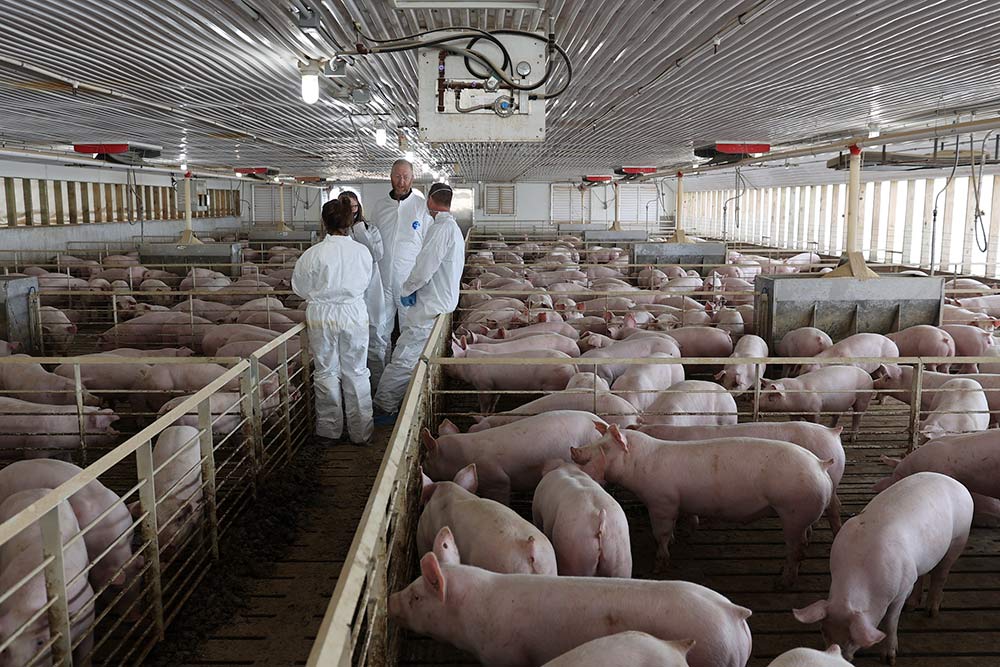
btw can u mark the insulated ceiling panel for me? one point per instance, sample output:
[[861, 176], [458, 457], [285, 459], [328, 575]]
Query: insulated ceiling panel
[[215, 81]]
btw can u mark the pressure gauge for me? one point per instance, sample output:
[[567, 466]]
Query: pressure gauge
[[523, 68]]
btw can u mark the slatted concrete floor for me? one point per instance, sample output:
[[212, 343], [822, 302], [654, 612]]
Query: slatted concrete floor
[[272, 610], [743, 562]]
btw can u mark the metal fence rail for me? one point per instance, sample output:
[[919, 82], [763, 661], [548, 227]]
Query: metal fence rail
[[208, 455]]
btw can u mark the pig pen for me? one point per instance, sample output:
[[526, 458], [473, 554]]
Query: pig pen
[[244, 426]]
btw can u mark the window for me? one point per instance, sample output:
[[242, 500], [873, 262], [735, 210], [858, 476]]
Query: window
[[569, 204], [498, 200]]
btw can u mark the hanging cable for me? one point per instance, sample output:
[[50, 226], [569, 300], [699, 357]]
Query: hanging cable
[[978, 226], [934, 213], [739, 193]]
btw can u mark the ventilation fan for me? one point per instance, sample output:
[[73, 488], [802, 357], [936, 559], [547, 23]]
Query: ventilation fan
[[131, 153]]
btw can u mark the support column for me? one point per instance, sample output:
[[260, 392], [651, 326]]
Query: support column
[[187, 236], [853, 262], [679, 235]]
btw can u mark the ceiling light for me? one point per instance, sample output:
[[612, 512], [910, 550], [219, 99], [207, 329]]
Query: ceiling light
[[184, 166], [873, 130], [409, 156], [381, 137], [310, 81]]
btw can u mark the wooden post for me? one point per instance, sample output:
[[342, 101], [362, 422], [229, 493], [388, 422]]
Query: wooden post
[[679, 235], [157, 205], [57, 187], [74, 215], [109, 207], [43, 201], [120, 212], [29, 205], [187, 236], [855, 265], [97, 202], [85, 202], [8, 189]]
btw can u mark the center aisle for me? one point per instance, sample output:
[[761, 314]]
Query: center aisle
[[263, 601]]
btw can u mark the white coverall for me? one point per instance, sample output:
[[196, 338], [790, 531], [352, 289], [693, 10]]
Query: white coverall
[[332, 277], [403, 225], [368, 235], [436, 279]]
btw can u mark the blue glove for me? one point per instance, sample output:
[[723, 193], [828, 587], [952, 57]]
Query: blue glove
[[409, 300]]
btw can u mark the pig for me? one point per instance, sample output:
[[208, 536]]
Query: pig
[[808, 657], [803, 342], [273, 320], [214, 312], [204, 284], [7, 349], [613, 409], [829, 389], [740, 377], [156, 329], [487, 534], [23, 554], [224, 333], [897, 381], [729, 319], [31, 382], [105, 378], [515, 620], [157, 286], [57, 331], [226, 411], [804, 259], [967, 287], [989, 304], [640, 384], [924, 340], [858, 345], [543, 341], [111, 533], [161, 352], [640, 348], [166, 277], [163, 382], [589, 381], [560, 328], [703, 342], [747, 313], [651, 278], [955, 315], [590, 323], [178, 486], [959, 406], [487, 377], [823, 442], [635, 649], [693, 403], [587, 527], [263, 304], [43, 430], [508, 457], [271, 359], [735, 479], [881, 557], [614, 304], [969, 342]]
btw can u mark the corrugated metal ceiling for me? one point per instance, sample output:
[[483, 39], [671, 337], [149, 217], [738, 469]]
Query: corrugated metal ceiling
[[218, 78]]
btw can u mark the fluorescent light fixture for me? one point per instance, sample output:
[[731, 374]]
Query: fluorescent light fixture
[[873, 130], [409, 156], [184, 166], [381, 137], [469, 4]]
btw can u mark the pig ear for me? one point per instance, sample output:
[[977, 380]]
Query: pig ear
[[447, 427], [879, 372], [863, 632], [630, 321], [833, 649], [891, 461], [813, 613], [430, 568], [543, 316], [445, 548], [16, 345], [502, 333], [429, 442], [719, 375], [619, 437], [608, 316], [468, 478], [601, 427], [579, 456], [427, 487]]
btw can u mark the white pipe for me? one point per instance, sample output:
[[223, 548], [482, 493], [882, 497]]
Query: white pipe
[[854, 200], [679, 205]]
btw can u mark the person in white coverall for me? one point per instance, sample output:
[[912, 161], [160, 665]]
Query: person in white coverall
[[402, 219], [332, 277], [431, 289], [368, 235]]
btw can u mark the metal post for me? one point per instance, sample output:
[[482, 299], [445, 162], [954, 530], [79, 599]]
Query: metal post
[[284, 394], [55, 587], [756, 392], [853, 199], [78, 389], [148, 530], [618, 207], [36, 312], [250, 425], [207, 447], [679, 205], [916, 399]]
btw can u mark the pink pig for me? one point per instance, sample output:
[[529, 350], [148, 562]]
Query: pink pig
[[897, 381], [830, 389], [808, 657], [588, 528], [693, 403], [522, 620], [969, 342], [488, 378], [543, 341], [803, 342], [924, 340], [882, 557], [640, 384], [703, 341], [632, 348], [860, 345], [508, 457], [959, 407], [736, 479], [740, 377], [614, 409], [489, 535], [635, 649]]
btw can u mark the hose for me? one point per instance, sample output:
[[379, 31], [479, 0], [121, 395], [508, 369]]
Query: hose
[[978, 226], [934, 214], [480, 34]]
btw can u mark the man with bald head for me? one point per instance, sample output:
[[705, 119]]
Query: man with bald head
[[402, 219]]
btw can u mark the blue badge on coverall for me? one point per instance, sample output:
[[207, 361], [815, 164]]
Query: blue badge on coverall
[[416, 225]]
